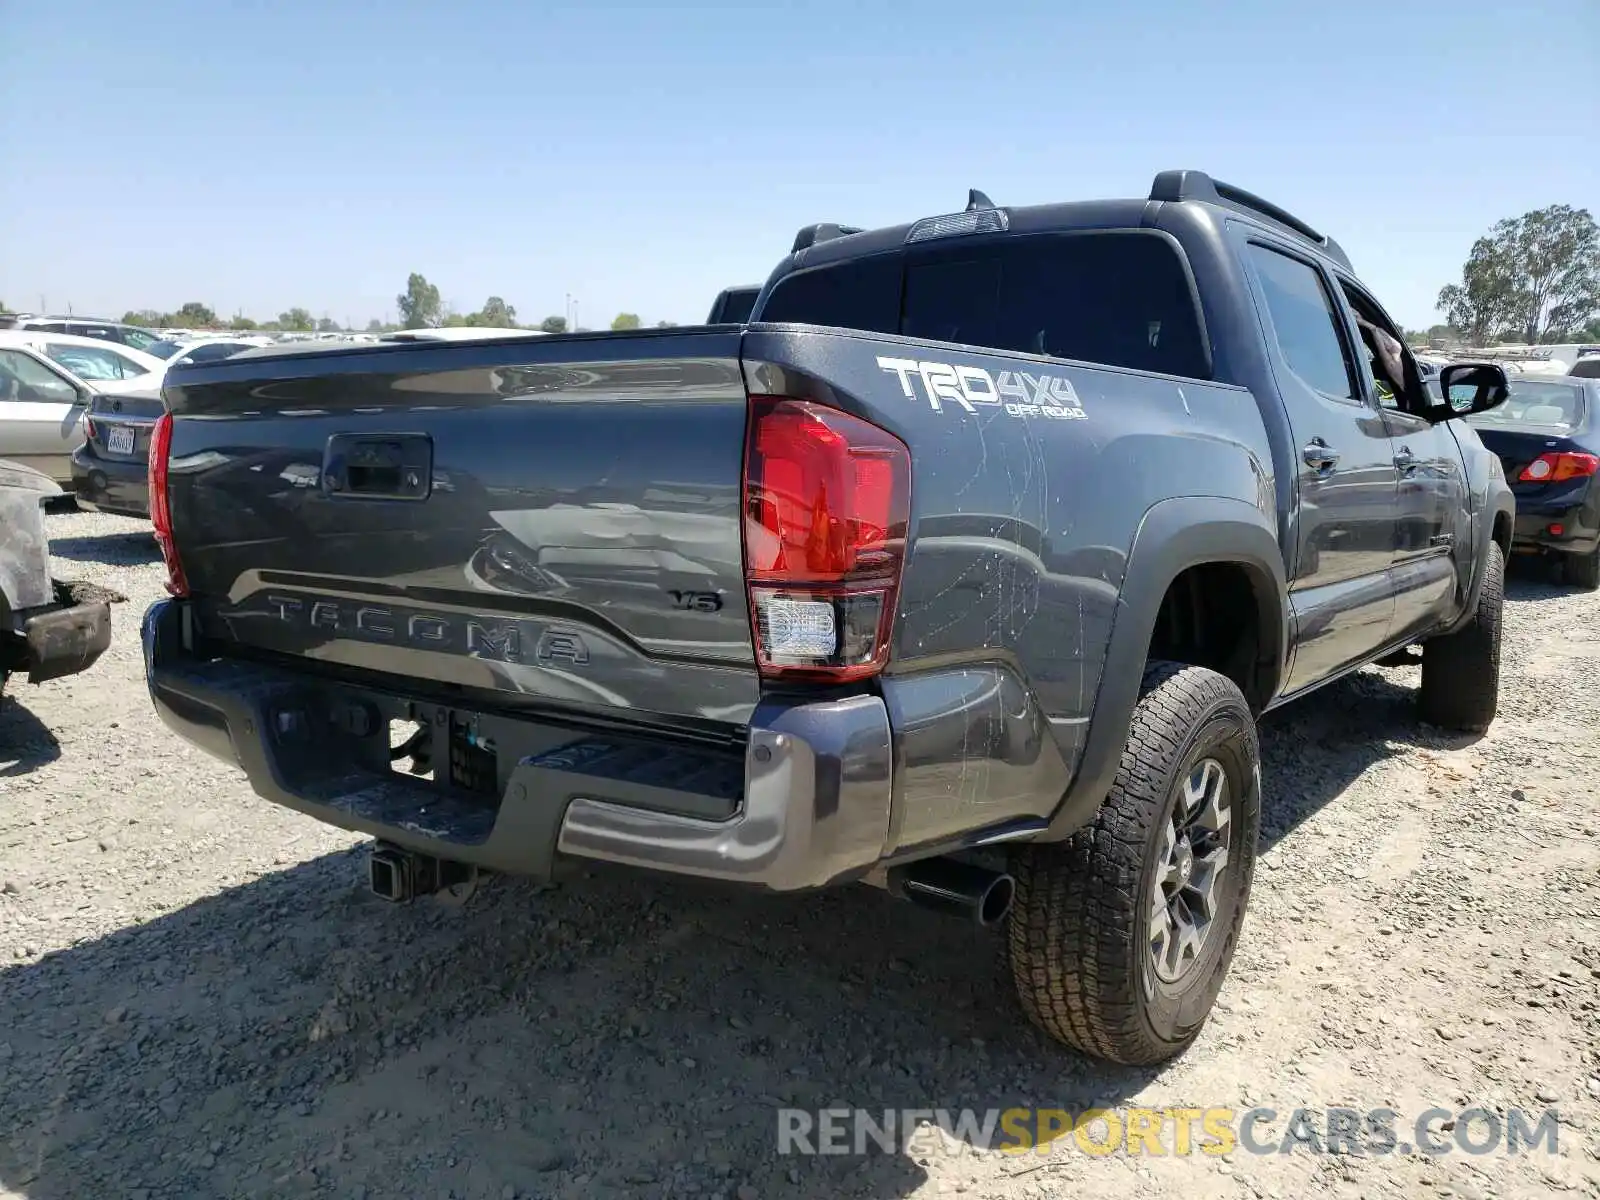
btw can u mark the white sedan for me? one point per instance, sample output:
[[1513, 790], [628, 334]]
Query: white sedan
[[46, 383], [204, 349]]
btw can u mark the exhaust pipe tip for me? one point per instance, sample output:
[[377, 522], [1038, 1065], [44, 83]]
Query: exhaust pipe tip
[[995, 905], [956, 889]]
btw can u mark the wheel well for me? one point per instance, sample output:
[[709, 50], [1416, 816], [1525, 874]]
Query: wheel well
[[1502, 533], [1212, 616]]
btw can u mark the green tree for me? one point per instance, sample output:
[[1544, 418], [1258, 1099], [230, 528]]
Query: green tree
[[374, 326], [1536, 276], [554, 324], [242, 323], [327, 325], [296, 320], [1484, 302], [497, 314], [419, 304], [666, 324], [626, 321], [194, 315]]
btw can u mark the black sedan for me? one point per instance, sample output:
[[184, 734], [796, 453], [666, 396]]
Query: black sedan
[[1547, 436], [109, 468]]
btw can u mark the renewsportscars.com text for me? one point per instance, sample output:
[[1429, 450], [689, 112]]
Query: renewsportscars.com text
[[1169, 1131]]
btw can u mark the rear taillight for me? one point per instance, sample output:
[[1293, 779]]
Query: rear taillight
[[88, 427], [160, 505], [827, 498], [1559, 467]]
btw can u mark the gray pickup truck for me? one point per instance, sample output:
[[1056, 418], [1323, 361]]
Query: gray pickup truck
[[964, 569]]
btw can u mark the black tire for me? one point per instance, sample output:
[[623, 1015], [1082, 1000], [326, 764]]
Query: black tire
[[1582, 570], [1461, 670], [1081, 931]]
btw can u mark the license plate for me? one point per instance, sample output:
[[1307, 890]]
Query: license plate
[[119, 440]]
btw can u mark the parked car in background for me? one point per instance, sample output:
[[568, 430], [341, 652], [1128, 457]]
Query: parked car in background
[[108, 331], [1547, 436], [732, 305], [89, 360], [41, 407], [109, 466], [178, 351], [46, 383], [47, 628]]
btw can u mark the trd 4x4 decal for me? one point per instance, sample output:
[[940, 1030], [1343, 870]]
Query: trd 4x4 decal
[[1022, 394]]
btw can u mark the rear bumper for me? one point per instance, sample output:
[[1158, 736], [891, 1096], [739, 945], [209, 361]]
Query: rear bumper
[[64, 639], [1580, 532], [803, 804], [110, 485]]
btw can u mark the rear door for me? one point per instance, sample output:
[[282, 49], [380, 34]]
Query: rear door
[[40, 411], [1340, 593]]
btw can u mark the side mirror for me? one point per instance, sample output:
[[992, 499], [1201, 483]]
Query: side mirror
[[1470, 388]]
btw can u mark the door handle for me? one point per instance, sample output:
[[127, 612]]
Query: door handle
[[1404, 459], [1320, 456]]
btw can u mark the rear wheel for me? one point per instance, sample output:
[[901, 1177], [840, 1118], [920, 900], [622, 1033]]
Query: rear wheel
[[1121, 936], [1583, 570], [1461, 670]]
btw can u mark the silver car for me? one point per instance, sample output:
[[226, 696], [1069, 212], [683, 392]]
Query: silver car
[[41, 412], [46, 383]]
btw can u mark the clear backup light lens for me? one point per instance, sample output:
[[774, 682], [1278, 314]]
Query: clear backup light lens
[[796, 631], [827, 502]]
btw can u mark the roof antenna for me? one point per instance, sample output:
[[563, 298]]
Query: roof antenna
[[977, 200]]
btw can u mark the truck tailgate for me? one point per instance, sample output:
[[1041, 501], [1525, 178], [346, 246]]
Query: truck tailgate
[[552, 520]]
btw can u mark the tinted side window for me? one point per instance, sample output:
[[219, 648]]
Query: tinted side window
[[212, 351], [1117, 298], [861, 294], [1121, 298], [137, 338], [1305, 323]]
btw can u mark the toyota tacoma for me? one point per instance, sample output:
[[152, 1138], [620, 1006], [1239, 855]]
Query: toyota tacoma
[[963, 569]]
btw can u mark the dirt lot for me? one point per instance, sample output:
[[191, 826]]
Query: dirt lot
[[197, 998]]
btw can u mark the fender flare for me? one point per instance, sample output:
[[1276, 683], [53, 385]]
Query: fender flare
[[1173, 536], [1501, 502]]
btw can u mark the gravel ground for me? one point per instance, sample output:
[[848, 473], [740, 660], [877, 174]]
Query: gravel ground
[[197, 998]]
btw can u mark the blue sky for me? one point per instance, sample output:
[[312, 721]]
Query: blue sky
[[256, 156]]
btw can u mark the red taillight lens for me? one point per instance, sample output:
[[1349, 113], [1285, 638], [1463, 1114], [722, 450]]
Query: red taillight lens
[[160, 506], [827, 498], [1559, 467], [88, 427]]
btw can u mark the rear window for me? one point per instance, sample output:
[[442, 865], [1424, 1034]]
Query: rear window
[[1121, 298], [1552, 406]]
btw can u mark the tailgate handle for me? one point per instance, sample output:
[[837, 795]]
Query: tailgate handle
[[384, 466]]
